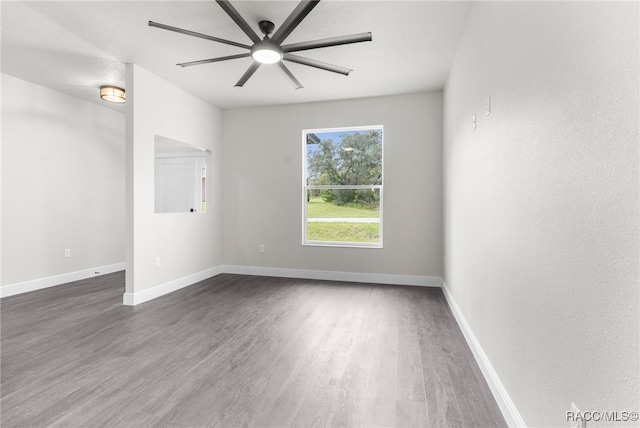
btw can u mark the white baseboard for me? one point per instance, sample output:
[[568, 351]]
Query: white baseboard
[[508, 409], [38, 284], [132, 299], [376, 278]]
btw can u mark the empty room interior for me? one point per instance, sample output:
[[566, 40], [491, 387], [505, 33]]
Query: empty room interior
[[328, 213]]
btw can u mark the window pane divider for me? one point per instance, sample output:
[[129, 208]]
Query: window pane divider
[[345, 187]]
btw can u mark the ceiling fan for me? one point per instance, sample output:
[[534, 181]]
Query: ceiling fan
[[270, 50]]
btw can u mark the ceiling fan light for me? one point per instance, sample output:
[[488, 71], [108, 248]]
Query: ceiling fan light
[[266, 52], [113, 94], [266, 55]]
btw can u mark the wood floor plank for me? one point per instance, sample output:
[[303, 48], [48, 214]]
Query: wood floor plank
[[441, 402], [235, 351], [410, 414], [317, 407], [410, 380], [381, 387], [350, 396]]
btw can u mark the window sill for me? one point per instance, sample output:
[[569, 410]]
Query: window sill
[[341, 244]]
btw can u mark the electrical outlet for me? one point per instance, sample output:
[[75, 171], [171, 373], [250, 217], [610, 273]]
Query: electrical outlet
[[261, 248], [67, 252], [577, 421], [157, 261]]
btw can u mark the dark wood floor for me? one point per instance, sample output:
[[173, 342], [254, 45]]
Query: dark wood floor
[[237, 351]]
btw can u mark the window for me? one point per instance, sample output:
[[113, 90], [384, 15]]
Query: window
[[342, 187]]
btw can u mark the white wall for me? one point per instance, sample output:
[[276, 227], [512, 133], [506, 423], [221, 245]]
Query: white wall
[[187, 243], [262, 157], [542, 201], [63, 186]]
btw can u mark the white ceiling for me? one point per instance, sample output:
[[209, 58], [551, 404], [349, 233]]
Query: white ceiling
[[76, 46]]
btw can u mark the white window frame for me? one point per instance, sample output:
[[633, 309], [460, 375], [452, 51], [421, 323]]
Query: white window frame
[[306, 188]]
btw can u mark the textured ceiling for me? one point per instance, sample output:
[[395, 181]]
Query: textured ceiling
[[77, 46]]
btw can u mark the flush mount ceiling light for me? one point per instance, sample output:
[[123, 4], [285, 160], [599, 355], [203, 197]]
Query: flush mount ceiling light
[[113, 94], [271, 50]]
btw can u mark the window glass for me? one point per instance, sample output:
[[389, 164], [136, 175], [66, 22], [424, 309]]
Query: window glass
[[343, 187]]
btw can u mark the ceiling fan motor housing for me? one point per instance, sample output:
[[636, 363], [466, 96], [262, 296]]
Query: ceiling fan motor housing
[[266, 27]]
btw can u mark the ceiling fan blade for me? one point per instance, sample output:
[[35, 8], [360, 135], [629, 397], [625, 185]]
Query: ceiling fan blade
[[247, 74], [239, 20], [292, 21], [200, 35], [291, 76], [317, 64], [324, 43], [208, 61]]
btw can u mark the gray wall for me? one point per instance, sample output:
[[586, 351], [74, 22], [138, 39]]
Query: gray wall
[[63, 164], [262, 170], [541, 201]]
